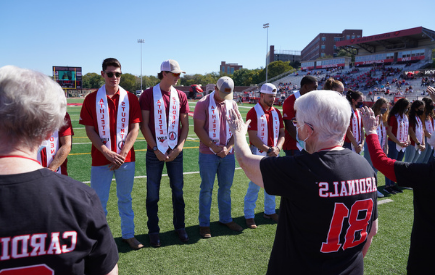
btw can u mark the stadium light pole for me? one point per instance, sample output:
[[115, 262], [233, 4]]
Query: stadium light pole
[[266, 26], [141, 41]]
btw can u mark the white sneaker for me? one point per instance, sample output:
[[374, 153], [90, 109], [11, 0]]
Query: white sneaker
[[380, 195]]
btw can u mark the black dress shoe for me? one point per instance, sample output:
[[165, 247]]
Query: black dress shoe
[[154, 239], [182, 234]]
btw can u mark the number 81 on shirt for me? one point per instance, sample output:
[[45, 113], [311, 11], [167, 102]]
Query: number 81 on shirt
[[341, 212]]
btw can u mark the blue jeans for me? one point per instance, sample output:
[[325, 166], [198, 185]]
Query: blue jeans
[[154, 175], [101, 178], [411, 155], [293, 153], [367, 157], [251, 199], [393, 154], [209, 166], [428, 153]]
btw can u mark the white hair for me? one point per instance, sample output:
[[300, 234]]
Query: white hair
[[328, 112], [32, 106]]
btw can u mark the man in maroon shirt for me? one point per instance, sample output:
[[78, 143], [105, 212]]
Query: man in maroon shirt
[[111, 117], [58, 162], [308, 84], [165, 127]]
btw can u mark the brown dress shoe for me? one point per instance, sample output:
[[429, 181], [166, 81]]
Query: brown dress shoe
[[251, 223], [204, 231], [274, 217], [233, 226], [133, 243], [154, 239]]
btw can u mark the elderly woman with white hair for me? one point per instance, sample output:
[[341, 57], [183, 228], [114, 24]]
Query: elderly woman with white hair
[[420, 177], [49, 222], [328, 213]]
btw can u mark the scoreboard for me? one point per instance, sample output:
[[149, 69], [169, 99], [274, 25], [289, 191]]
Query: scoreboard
[[68, 77]]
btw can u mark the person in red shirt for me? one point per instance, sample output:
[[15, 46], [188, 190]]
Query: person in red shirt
[[355, 135], [398, 138], [111, 117], [165, 127], [416, 132], [58, 163], [308, 84], [429, 127], [266, 137]]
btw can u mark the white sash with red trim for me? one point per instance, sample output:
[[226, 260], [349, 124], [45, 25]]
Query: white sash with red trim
[[297, 95], [402, 131], [429, 127], [103, 118], [166, 133], [263, 129], [356, 128], [51, 147], [419, 133], [382, 134], [214, 126]]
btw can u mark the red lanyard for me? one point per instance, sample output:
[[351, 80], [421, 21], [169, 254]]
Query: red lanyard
[[329, 148], [20, 157]]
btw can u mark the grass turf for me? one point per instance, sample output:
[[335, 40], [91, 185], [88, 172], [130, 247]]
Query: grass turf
[[226, 252]]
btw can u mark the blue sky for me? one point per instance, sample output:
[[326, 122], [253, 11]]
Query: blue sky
[[198, 34]]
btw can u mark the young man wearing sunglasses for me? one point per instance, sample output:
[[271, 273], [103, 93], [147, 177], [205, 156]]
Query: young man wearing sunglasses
[[165, 127], [111, 117]]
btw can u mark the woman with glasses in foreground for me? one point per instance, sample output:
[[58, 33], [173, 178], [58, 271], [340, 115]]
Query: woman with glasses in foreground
[[328, 212], [420, 177]]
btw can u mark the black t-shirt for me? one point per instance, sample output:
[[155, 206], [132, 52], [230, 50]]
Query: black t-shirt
[[328, 204], [52, 224], [421, 177]]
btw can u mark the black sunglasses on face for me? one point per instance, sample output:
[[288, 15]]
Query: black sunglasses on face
[[110, 74]]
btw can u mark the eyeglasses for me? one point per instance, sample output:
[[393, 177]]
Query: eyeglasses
[[295, 123], [110, 74]]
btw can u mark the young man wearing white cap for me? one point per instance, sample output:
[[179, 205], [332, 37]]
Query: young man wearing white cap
[[165, 127], [266, 137], [216, 156]]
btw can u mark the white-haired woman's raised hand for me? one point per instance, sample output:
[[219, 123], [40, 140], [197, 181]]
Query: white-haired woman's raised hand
[[236, 123], [370, 121], [431, 91]]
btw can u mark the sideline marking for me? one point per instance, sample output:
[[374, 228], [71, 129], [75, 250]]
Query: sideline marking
[[163, 175], [384, 201]]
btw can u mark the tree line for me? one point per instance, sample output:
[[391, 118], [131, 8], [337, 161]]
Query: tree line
[[242, 77]]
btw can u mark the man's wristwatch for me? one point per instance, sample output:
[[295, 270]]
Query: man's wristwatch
[[418, 143], [155, 148], [270, 150]]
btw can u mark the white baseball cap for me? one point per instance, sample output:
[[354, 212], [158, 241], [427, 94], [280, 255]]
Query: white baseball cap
[[268, 88], [172, 66]]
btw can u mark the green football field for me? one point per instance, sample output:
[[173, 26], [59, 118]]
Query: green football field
[[226, 252]]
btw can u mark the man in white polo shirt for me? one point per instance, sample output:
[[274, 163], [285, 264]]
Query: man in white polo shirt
[[216, 156], [266, 136]]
